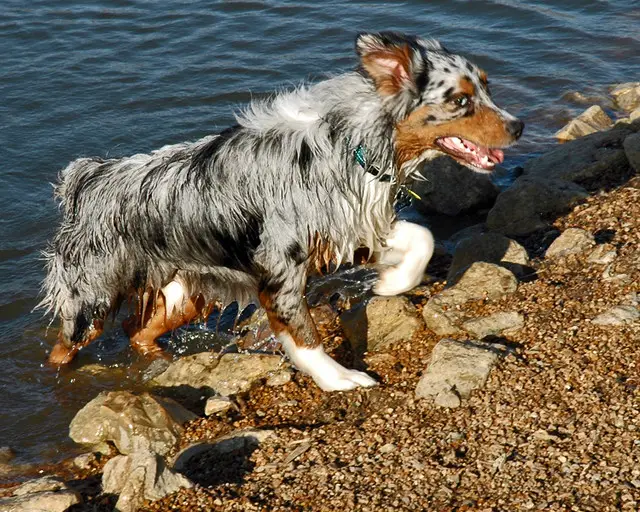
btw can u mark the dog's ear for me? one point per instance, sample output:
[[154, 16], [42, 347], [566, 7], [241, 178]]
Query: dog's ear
[[387, 59]]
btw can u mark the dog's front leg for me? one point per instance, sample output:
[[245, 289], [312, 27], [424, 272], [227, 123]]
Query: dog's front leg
[[410, 248], [283, 299]]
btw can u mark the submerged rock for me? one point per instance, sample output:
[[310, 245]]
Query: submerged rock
[[227, 375], [381, 322], [457, 368], [592, 120], [138, 477], [571, 241], [130, 422]]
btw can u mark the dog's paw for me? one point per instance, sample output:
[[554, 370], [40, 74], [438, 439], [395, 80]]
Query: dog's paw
[[344, 380], [393, 281]]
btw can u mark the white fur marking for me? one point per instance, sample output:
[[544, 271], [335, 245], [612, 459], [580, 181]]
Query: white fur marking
[[410, 249], [326, 373], [173, 297]]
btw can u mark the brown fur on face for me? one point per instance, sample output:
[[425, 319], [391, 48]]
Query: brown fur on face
[[484, 127]]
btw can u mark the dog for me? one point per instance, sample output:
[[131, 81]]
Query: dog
[[300, 182]]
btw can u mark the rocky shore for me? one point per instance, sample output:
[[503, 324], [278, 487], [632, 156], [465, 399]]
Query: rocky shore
[[509, 380]]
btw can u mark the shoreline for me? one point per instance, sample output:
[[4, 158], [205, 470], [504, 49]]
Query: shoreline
[[552, 421]]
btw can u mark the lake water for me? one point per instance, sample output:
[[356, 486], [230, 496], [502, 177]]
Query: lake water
[[112, 78]]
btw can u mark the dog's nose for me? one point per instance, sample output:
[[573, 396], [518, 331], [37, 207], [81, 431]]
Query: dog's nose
[[515, 128]]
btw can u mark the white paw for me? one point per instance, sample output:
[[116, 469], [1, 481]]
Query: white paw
[[326, 373], [394, 281], [344, 380]]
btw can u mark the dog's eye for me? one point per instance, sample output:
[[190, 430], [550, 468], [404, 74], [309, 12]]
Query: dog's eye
[[462, 101]]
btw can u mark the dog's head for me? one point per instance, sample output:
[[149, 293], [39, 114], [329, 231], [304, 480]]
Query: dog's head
[[440, 101]]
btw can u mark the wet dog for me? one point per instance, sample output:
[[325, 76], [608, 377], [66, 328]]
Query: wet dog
[[302, 181]]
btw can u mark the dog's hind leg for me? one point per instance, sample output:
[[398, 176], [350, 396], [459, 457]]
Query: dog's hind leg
[[283, 299], [170, 310], [410, 248]]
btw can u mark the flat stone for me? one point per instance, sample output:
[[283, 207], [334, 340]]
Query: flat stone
[[631, 146], [451, 188], [458, 366], [46, 483], [493, 325], [140, 476], [617, 316], [592, 120], [603, 254], [441, 316], [228, 375], [627, 95], [527, 205], [381, 322], [130, 422], [217, 404], [570, 241], [240, 440], [47, 501], [490, 248], [448, 398], [482, 280]]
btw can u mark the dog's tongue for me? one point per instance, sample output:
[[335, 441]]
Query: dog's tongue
[[479, 156]]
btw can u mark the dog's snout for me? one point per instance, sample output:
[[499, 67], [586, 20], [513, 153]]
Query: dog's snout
[[515, 128]]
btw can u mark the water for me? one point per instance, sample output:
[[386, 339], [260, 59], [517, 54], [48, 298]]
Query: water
[[113, 78]]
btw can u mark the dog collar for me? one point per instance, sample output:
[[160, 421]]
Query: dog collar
[[358, 154]]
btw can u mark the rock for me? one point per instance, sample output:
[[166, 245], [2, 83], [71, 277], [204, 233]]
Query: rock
[[47, 501], [441, 316], [457, 367], [217, 404], [238, 441], [85, 460], [617, 316], [603, 254], [493, 325], [46, 483], [448, 398], [228, 375], [6, 454], [592, 120], [584, 159], [470, 231], [631, 146], [635, 115], [627, 96], [381, 322], [480, 280], [130, 422], [584, 99], [451, 188], [529, 202], [571, 241], [139, 476], [490, 248]]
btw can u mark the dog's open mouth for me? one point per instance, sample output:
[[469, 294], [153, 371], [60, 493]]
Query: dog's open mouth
[[470, 154]]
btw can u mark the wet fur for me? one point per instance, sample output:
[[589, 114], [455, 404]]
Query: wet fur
[[246, 214]]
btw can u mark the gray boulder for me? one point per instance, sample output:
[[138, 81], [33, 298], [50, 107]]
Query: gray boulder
[[529, 202], [46, 501], [592, 120], [457, 368], [631, 146], [130, 422], [490, 248], [140, 476], [227, 375], [451, 188], [381, 322], [571, 241]]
